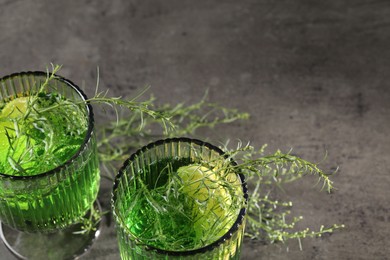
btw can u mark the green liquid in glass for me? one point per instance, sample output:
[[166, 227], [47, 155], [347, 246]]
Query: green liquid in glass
[[40, 142], [43, 140], [180, 205]]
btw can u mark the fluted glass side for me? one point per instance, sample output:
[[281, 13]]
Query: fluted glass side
[[143, 163], [56, 198], [229, 249]]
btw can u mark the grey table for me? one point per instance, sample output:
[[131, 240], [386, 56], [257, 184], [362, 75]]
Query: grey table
[[314, 75]]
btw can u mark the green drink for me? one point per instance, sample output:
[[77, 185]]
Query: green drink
[[179, 198], [53, 130], [49, 175]]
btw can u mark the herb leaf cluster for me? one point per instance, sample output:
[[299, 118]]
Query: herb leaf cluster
[[267, 217], [148, 121], [42, 128]]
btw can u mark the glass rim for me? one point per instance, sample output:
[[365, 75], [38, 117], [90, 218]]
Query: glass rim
[[240, 217], [86, 138]]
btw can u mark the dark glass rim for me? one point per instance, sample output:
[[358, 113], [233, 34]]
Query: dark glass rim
[[222, 239], [87, 136]]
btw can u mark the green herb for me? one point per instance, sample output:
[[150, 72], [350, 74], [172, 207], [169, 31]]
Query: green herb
[[148, 121], [120, 138], [38, 117], [42, 129], [90, 222], [181, 203], [267, 216]]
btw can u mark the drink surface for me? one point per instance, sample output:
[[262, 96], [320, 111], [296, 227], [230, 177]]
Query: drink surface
[[38, 134], [182, 205]]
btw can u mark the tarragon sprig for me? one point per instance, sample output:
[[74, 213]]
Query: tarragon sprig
[[145, 121], [118, 139], [267, 217]]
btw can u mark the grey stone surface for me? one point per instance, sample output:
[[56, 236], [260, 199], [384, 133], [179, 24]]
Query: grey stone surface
[[314, 75]]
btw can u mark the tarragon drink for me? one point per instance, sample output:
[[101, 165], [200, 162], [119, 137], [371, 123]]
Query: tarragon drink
[[179, 198], [49, 174]]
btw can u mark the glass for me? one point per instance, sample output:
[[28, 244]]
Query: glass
[[179, 198], [39, 207]]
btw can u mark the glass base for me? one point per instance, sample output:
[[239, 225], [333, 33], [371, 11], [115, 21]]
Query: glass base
[[68, 243]]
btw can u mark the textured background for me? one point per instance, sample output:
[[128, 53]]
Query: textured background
[[314, 75]]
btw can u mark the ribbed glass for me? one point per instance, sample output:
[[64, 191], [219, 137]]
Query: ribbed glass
[[143, 163], [57, 198]]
